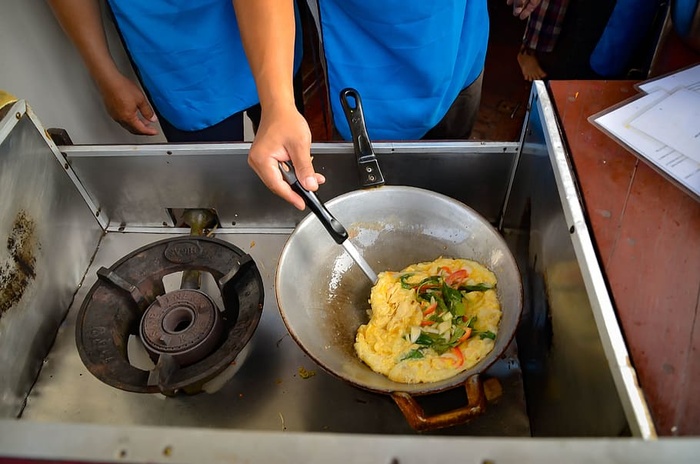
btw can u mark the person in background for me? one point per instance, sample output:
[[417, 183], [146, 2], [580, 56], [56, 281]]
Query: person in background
[[629, 25], [541, 34], [190, 61], [417, 66]]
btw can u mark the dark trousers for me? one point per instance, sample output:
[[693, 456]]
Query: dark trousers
[[231, 128], [459, 120]]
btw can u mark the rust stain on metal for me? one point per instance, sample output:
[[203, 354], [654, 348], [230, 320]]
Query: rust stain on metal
[[17, 272]]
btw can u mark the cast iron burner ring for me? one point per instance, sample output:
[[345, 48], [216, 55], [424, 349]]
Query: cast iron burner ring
[[190, 339], [184, 324]]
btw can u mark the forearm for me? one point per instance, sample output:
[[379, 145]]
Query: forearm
[[267, 31], [82, 22]]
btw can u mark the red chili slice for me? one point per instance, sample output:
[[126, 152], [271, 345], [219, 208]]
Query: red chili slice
[[456, 277], [467, 334], [426, 286], [430, 309], [460, 357]]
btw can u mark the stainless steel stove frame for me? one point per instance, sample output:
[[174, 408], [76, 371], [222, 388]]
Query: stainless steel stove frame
[[82, 207]]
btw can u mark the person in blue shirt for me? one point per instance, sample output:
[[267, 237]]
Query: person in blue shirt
[[188, 56], [417, 66]]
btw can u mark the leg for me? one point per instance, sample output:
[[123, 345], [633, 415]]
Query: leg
[[460, 118], [228, 130], [529, 65], [541, 34]]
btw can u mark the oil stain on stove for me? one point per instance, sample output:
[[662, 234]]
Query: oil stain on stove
[[17, 272]]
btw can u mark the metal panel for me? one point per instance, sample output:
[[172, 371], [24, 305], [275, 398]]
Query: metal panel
[[133, 186], [571, 317], [91, 443], [268, 393], [48, 237]]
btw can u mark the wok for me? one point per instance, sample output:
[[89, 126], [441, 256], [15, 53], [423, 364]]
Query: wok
[[323, 295]]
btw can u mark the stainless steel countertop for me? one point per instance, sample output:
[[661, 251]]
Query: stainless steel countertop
[[267, 393]]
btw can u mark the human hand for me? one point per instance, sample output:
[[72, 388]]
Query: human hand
[[284, 135], [127, 105], [523, 8]]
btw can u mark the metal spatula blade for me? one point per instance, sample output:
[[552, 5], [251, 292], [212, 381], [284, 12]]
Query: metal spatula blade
[[357, 257]]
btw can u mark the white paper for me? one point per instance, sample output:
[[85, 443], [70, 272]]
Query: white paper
[[683, 169], [674, 121], [686, 79]]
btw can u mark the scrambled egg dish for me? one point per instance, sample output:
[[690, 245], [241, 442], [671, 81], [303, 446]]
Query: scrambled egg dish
[[430, 321]]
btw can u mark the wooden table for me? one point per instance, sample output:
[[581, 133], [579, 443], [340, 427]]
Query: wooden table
[[647, 234]]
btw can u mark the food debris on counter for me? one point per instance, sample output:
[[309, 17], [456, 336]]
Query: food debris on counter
[[304, 374]]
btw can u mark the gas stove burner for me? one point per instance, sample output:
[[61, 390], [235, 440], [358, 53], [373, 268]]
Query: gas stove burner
[[184, 324], [188, 336]]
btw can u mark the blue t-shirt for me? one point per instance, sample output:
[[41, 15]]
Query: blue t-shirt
[[408, 59], [190, 58]]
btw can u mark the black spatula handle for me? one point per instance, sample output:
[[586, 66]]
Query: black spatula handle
[[331, 224]]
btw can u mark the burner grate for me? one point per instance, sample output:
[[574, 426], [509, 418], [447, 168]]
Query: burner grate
[[190, 339]]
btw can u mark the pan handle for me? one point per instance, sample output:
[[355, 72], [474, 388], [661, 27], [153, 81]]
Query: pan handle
[[478, 394], [370, 174]]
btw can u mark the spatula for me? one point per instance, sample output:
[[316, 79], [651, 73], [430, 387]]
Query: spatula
[[332, 225]]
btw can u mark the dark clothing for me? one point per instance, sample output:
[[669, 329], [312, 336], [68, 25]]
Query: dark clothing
[[459, 121], [231, 128], [584, 24], [460, 118], [228, 130]]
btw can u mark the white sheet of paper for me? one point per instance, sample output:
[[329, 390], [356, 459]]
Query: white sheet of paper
[[674, 121], [687, 78], [677, 166]]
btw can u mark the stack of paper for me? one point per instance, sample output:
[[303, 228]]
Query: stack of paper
[[662, 125]]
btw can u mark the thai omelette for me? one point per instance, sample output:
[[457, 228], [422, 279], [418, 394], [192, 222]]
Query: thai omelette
[[430, 321]]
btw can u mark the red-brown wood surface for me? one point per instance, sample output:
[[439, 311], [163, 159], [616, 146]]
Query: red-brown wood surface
[[647, 233], [611, 167]]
